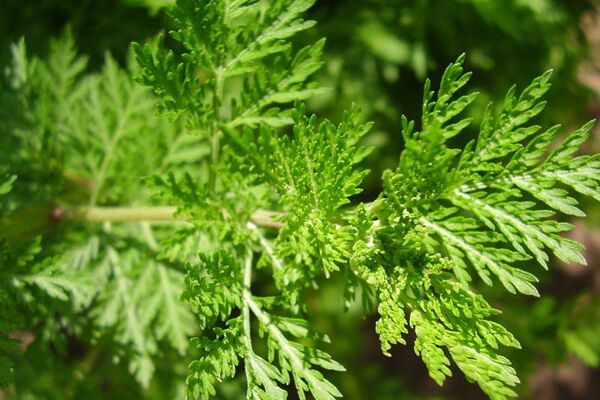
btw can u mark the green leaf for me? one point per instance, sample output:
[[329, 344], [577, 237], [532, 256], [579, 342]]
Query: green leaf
[[121, 311], [159, 289]]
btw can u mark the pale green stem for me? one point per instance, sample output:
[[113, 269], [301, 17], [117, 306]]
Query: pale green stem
[[247, 329], [268, 248], [155, 214], [286, 348], [34, 221]]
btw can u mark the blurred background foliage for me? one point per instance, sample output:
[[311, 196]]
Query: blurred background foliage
[[377, 55]]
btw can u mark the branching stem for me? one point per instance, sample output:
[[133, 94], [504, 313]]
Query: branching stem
[[34, 221], [287, 349], [267, 219], [247, 274]]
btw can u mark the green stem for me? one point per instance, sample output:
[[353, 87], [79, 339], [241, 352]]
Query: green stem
[[122, 214], [270, 251], [289, 352], [262, 218], [247, 275], [27, 222], [35, 220]]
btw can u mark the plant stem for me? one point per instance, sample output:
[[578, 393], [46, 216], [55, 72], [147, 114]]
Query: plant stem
[[122, 214], [247, 275], [27, 222], [34, 221], [289, 352], [275, 261], [262, 218]]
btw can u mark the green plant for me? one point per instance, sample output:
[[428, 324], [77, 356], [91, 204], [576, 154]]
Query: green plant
[[246, 204]]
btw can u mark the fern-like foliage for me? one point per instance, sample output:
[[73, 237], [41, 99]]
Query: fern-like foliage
[[89, 137], [443, 213], [249, 70], [488, 207], [23, 278], [263, 195]]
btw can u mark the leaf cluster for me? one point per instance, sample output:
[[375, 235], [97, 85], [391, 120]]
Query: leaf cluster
[[266, 210]]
